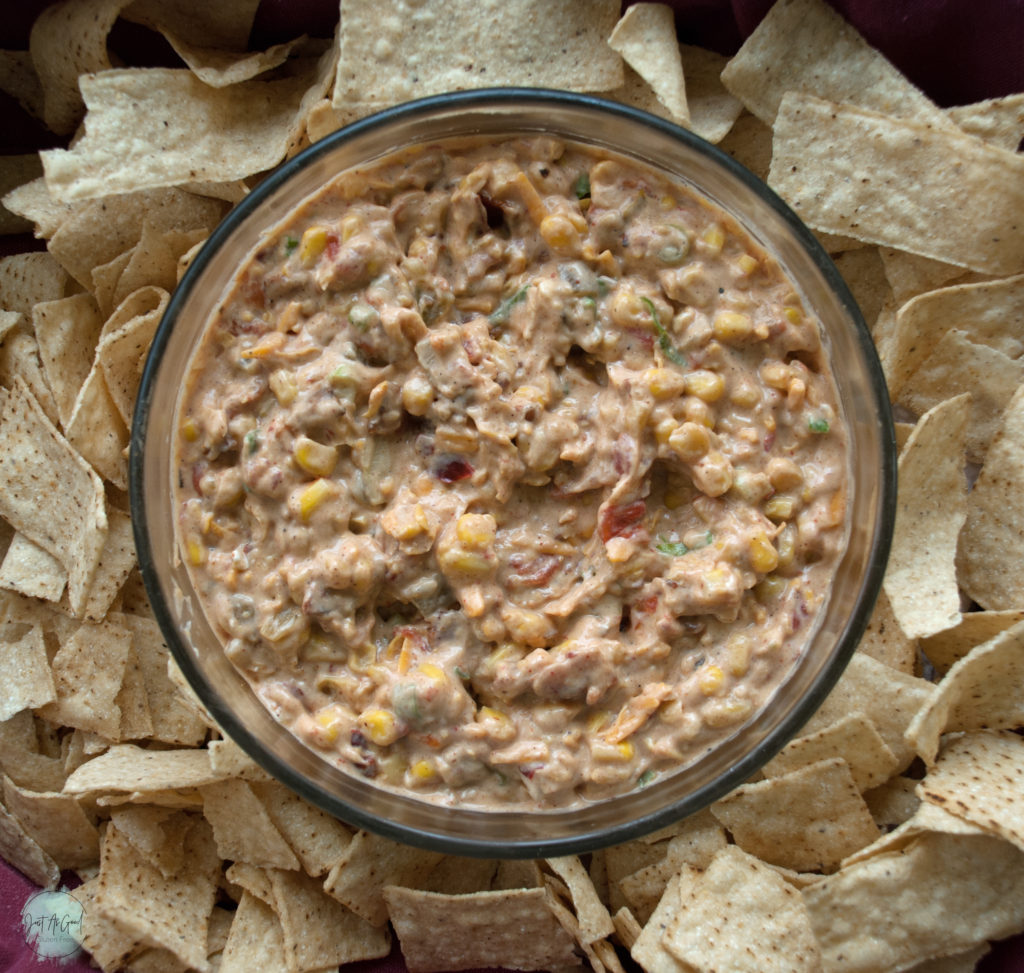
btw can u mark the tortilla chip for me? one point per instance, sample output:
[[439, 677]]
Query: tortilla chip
[[999, 121], [943, 894], [806, 46], [712, 109], [116, 562], [215, 134], [108, 943], [255, 940], [853, 738], [893, 802], [57, 823], [910, 275], [225, 24], [946, 648], [67, 331], [132, 701], [649, 948], [48, 492], [15, 171], [34, 203], [157, 834], [807, 820], [989, 313], [738, 901], [885, 696], [899, 183], [24, 672], [371, 862], [88, 671], [228, 759], [172, 913], [980, 777], [627, 928], [456, 875], [174, 721], [218, 68], [885, 641], [594, 919], [97, 231], [390, 54], [19, 359], [920, 579], [69, 40], [97, 431], [318, 930], [991, 546], [19, 79], [30, 570], [646, 39], [749, 142], [973, 695], [318, 839], [128, 768], [242, 828], [864, 273], [699, 840], [19, 849], [513, 929]]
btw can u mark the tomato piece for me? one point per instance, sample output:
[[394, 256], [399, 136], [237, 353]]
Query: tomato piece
[[622, 520]]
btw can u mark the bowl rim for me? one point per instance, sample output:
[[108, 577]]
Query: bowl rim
[[585, 841]]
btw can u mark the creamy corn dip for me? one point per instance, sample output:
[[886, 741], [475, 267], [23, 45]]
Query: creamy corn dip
[[511, 474]]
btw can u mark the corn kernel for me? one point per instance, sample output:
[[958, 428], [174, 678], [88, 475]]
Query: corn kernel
[[314, 242], [745, 394], [417, 395], [405, 524], [763, 556], [786, 545], [313, 496], [380, 727], [527, 627], [423, 770], [713, 239], [350, 226], [784, 473], [664, 429], [711, 680], [490, 713], [747, 264], [313, 457], [432, 672], [726, 712], [612, 752], [776, 375], [284, 386], [708, 386], [196, 552], [690, 441], [664, 383], [697, 410], [598, 720], [627, 310], [189, 430], [792, 315], [532, 394], [732, 326], [618, 550], [460, 561], [739, 650], [559, 233], [329, 722], [780, 508], [770, 587], [476, 530]]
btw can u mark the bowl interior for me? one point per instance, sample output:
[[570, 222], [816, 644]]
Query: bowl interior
[[862, 393]]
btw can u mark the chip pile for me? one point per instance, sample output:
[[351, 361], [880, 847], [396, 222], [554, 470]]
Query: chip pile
[[889, 834]]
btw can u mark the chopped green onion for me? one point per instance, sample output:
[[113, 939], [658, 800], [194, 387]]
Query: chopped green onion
[[582, 186], [252, 441], [461, 673], [664, 341], [646, 777], [818, 425], [671, 548], [290, 243], [406, 701], [363, 316], [500, 314]]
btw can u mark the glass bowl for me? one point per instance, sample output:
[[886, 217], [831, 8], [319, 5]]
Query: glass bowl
[[497, 832]]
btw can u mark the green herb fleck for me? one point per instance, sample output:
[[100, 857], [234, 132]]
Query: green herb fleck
[[664, 341], [582, 186], [646, 777], [461, 673], [290, 243], [671, 548], [252, 441], [818, 425], [500, 314]]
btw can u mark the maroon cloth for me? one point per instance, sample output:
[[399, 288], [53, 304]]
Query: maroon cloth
[[957, 51]]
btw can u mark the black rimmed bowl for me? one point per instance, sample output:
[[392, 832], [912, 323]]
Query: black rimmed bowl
[[862, 394]]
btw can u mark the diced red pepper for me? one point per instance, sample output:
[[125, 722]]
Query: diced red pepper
[[622, 520], [453, 470]]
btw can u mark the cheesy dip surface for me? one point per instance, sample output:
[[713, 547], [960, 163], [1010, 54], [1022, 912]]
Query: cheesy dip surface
[[511, 474]]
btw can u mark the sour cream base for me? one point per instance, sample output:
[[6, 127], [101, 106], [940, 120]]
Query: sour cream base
[[512, 474]]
